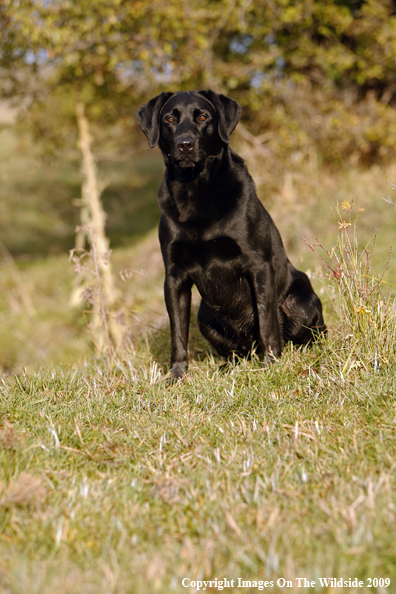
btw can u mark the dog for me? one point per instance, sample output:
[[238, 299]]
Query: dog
[[216, 234]]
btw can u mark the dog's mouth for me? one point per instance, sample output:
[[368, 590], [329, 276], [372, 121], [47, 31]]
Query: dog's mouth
[[186, 160]]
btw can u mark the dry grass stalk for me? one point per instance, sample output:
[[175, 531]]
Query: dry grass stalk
[[92, 230]]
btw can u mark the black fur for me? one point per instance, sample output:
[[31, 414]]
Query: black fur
[[216, 234]]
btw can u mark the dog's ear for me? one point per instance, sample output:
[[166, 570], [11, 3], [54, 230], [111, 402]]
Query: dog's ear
[[147, 117], [228, 111]]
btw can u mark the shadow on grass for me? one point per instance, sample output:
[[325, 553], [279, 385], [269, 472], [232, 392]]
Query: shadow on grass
[[159, 344]]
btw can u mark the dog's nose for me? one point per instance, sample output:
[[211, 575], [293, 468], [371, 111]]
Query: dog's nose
[[185, 145]]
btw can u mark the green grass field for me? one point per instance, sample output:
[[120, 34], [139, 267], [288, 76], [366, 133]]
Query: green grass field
[[111, 481]]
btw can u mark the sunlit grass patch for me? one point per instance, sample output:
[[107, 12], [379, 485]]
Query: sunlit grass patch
[[236, 472]]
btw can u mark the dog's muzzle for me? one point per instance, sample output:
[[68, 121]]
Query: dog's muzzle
[[185, 152]]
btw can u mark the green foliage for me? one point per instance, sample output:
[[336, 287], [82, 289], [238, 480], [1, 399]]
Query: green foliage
[[14, 48], [326, 77], [310, 75]]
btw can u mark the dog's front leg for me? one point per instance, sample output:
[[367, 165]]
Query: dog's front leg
[[264, 289], [178, 304]]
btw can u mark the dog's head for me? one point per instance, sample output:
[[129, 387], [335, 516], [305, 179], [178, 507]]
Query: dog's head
[[189, 126]]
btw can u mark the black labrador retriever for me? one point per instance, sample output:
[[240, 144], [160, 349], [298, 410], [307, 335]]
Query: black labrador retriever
[[216, 234]]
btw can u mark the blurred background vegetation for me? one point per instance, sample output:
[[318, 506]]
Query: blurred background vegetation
[[316, 80]]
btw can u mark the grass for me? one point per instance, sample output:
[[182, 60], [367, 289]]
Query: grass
[[38, 326], [113, 482]]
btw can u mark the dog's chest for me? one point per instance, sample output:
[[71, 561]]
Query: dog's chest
[[204, 255], [215, 267]]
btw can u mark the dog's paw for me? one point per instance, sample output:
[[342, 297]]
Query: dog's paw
[[269, 359], [177, 372], [267, 362]]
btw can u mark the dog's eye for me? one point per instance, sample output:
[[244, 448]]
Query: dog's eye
[[170, 119], [203, 117]]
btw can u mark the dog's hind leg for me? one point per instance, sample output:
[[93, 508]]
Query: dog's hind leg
[[221, 335], [301, 311]]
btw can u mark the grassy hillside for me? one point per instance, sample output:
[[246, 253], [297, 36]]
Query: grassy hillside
[[113, 482], [39, 211]]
